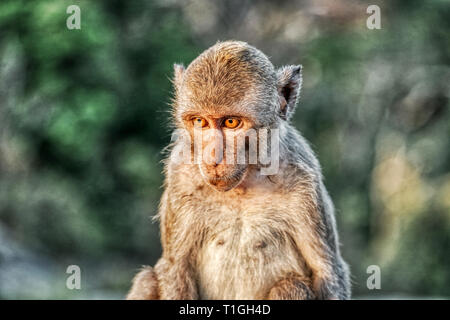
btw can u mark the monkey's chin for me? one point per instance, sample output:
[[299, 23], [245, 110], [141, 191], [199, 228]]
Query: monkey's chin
[[224, 184]]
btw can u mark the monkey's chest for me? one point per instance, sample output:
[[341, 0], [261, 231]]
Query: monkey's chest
[[243, 260]]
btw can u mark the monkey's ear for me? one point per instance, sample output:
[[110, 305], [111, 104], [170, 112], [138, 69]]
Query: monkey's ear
[[289, 83], [178, 72]]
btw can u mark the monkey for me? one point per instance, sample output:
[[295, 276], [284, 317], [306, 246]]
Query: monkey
[[229, 230]]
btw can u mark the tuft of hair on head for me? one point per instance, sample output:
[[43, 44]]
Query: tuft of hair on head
[[178, 74]]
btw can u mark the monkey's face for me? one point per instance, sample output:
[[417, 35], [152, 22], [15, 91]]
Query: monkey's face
[[219, 147], [226, 91]]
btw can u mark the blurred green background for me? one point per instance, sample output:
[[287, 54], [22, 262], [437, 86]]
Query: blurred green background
[[84, 117]]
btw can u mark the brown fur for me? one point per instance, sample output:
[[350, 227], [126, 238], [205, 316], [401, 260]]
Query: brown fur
[[227, 231], [146, 285]]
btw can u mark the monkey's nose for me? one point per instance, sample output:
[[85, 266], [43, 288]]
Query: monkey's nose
[[217, 158]]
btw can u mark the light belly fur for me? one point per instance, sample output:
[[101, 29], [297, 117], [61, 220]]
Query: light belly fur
[[245, 259]]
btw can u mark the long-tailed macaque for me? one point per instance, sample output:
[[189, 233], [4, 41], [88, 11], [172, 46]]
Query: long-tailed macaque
[[246, 214]]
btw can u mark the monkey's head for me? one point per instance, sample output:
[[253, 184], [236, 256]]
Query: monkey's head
[[225, 92]]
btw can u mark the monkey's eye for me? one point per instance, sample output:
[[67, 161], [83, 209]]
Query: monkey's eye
[[232, 123], [199, 122]]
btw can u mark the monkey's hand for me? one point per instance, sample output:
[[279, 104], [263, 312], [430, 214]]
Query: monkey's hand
[[292, 287], [145, 286]]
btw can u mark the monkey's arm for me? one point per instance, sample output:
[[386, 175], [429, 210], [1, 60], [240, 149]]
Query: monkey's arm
[[167, 281], [145, 286], [176, 280], [172, 277], [174, 269], [318, 243]]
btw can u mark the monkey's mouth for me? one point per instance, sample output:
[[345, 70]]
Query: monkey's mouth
[[228, 181]]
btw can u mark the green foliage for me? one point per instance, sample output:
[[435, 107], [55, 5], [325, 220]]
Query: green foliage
[[87, 117]]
